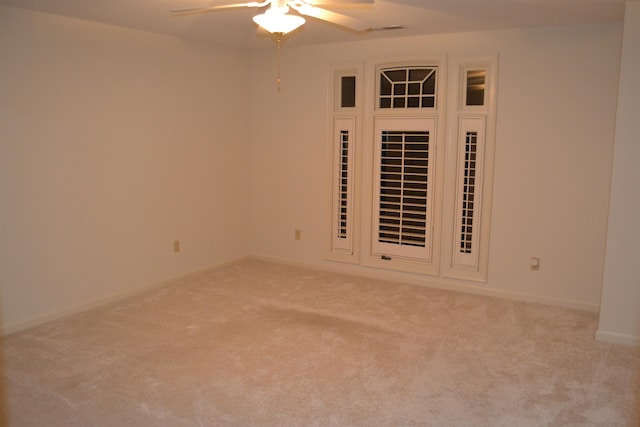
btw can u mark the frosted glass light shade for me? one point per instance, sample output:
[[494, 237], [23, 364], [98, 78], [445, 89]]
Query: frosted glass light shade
[[277, 22]]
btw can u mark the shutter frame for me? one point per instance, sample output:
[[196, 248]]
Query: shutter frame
[[395, 212]]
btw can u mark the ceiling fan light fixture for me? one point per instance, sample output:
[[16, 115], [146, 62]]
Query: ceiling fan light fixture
[[275, 21]]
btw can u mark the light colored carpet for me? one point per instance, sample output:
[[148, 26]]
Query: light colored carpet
[[260, 344]]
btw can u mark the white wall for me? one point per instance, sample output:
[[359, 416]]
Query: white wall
[[113, 143], [620, 310], [555, 126]]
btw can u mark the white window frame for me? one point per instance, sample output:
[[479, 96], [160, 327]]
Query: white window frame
[[472, 266], [388, 250], [344, 249], [468, 224], [343, 185], [372, 255], [446, 166]]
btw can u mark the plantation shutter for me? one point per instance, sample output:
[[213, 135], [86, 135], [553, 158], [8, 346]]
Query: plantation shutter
[[403, 198], [469, 192], [342, 217]]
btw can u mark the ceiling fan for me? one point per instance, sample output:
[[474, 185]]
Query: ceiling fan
[[277, 20]]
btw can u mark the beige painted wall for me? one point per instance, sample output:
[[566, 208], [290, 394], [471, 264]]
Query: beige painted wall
[[555, 128], [114, 143], [620, 310]]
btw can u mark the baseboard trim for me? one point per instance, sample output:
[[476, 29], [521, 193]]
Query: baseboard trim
[[429, 282], [20, 326], [349, 269], [616, 338]]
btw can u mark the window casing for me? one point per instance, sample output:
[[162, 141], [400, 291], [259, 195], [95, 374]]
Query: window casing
[[402, 167], [343, 243], [469, 170], [397, 202]]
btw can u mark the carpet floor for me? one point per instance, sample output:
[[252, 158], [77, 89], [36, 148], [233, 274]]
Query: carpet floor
[[261, 344]]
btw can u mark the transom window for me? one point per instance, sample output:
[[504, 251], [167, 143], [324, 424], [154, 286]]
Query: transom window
[[407, 87]]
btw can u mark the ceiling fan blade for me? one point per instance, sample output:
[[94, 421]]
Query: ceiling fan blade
[[338, 3], [329, 16], [192, 10]]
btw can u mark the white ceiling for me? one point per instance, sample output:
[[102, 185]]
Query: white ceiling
[[234, 27]]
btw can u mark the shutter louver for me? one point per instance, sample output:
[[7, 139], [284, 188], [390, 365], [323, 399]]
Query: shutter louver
[[342, 206], [404, 170], [343, 190], [468, 192], [403, 199]]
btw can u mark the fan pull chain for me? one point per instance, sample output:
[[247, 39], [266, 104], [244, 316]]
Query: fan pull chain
[[278, 80]]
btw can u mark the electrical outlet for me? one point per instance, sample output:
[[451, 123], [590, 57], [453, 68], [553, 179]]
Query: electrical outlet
[[298, 234], [534, 264], [176, 246]]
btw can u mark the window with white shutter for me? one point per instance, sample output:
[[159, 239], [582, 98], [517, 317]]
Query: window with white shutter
[[342, 243], [342, 223], [467, 219], [469, 192], [403, 198], [397, 201], [342, 209]]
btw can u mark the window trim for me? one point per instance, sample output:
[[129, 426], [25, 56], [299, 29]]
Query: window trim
[[350, 251], [471, 267], [451, 93], [371, 258]]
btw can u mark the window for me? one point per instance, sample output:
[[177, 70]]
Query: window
[[469, 195], [402, 190], [475, 84], [343, 244], [397, 202], [404, 168], [342, 186], [348, 92], [407, 87], [468, 191], [344, 179], [470, 170], [403, 196]]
